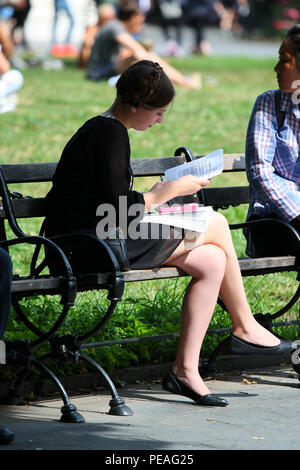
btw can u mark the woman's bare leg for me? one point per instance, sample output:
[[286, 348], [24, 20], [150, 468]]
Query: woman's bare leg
[[231, 287], [232, 290], [206, 264], [212, 262]]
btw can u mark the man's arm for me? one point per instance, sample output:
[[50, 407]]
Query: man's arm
[[140, 53]]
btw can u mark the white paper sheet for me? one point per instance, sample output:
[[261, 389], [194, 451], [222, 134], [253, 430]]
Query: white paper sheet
[[205, 167], [196, 221]]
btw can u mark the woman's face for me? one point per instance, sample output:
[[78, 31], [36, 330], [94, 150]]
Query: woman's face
[[142, 118], [286, 68]]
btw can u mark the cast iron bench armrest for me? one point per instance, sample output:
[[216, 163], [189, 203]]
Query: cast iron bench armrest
[[69, 293], [280, 222], [97, 240], [116, 280]]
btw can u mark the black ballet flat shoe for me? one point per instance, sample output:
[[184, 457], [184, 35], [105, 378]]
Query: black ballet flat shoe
[[173, 384], [6, 435], [237, 345]]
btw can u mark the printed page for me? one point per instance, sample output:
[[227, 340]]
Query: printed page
[[196, 221], [205, 167]]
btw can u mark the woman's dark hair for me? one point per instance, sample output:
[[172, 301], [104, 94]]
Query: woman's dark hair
[[145, 85], [293, 34]]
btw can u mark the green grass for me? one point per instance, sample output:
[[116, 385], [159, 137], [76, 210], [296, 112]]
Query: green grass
[[54, 104]]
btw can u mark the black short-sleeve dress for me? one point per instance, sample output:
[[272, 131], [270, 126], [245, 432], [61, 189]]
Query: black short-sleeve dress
[[94, 169]]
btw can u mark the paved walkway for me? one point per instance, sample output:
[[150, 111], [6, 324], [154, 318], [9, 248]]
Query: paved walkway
[[261, 415], [40, 20]]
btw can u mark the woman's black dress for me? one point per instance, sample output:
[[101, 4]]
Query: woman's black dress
[[95, 169]]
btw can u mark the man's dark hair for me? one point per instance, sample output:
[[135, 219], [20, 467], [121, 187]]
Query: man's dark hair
[[127, 9]]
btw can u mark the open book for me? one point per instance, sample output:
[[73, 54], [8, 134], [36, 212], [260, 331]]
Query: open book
[[204, 167], [190, 217]]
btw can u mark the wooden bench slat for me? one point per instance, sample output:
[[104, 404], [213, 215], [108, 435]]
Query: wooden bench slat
[[43, 172], [157, 166], [268, 265], [280, 263], [28, 172], [234, 162], [25, 208], [27, 284], [154, 166], [54, 284], [226, 196], [36, 207]]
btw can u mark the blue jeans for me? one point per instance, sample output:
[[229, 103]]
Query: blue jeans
[[62, 6]]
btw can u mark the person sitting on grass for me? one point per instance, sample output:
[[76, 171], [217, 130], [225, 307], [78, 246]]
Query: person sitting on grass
[[273, 158], [115, 48], [106, 12], [11, 80], [94, 170]]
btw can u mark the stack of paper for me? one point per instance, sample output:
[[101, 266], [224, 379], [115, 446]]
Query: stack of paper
[[195, 220]]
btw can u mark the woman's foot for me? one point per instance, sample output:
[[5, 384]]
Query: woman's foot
[[239, 346], [192, 380], [173, 384], [257, 334]]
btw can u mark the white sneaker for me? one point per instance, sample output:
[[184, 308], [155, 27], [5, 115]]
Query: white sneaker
[[113, 80], [9, 103]]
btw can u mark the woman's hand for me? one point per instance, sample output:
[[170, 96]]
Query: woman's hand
[[163, 191], [183, 186], [189, 184]]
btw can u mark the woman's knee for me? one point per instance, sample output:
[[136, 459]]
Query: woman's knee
[[213, 260], [218, 233], [204, 261], [218, 220]]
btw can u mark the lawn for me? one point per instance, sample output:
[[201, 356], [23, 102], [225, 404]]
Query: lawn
[[55, 103]]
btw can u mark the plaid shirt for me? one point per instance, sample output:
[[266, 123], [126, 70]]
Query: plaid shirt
[[273, 158]]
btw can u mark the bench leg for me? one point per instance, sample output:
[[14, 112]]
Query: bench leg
[[69, 411], [208, 367], [117, 404], [15, 395]]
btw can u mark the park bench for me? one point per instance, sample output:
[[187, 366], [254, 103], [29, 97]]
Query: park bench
[[15, 207]]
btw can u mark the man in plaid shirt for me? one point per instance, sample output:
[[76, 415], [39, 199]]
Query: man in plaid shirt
[[273, 157]]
